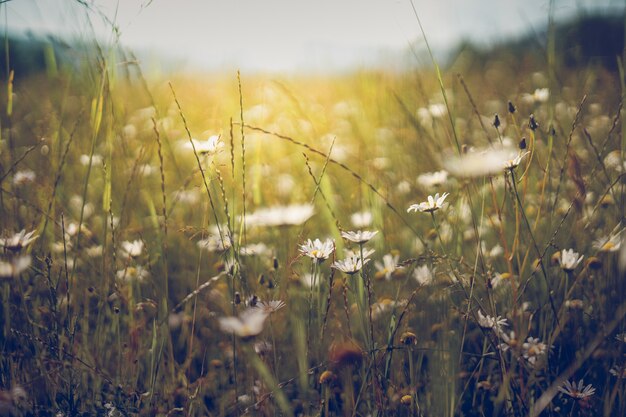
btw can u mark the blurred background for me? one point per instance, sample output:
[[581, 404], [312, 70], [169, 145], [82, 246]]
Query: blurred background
[[287, 35]]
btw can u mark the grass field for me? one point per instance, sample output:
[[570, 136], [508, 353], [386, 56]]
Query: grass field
[[160, 251]]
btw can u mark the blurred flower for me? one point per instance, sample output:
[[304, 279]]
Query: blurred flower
[[540, 95], [270, 306], [366, 253], [285, 184], [22, 177], [433, 179], [94, 251], [508, 341], [361, 219], [490, 161], [317, 250], [215, 243], [433, 204], [255, 249], [350, 265], [618, 372], [533, 349], [423, 275], [385, 305], [388, 266], [95, 159], [14, 266], [494, 323], [403, 187], [360, 237], [205, 147], [570, 259], [613, 160], [18, 241], [513, 162], [249, 323], [132, 249], [437, 110], [293, 215], [133, 273], [611, 243], [621, 337], [575, 391]]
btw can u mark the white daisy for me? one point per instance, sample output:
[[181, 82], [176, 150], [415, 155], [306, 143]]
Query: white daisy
[[570, 259], [18, 241], [433, 204], [249, 323], [423, 275], [350, 265], [388, 266], [577, 391], [360, 236], [317, 250]]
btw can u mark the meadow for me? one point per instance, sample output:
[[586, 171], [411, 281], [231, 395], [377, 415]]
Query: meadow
[[428, 242]]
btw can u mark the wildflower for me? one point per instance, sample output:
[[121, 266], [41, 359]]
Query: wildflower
[[490, 161], [95, 159], [533, 349], [512, 162], [249, 323], [255, 249], [385, 305], [360, 237], [618, 372], [317, 250], [293, 215], [94, 251], [262, 347], [361, 219], [611, 243], [437, 110], [423, 275], [540, 95], [18, 241], [133, 273], [508, 341], [577, 391], [388, 267], [14, 267], [406, 400], [132, 249], [433, 204], [350, 265], [494, 323], [211, 146], [270, 307], [22, 177], [366, 253], [570, 260], [215, 243], [433, 179]]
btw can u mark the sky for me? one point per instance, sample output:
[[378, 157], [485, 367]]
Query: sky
[[287, 35]]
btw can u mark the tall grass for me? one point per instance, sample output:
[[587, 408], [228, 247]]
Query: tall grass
[[169, 275]]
